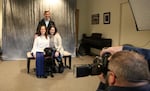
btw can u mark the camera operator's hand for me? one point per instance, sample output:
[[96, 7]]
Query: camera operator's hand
[[111, 50], [102, 79]]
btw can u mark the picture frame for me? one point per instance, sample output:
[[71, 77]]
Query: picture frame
[[95, 18], [106, 18]]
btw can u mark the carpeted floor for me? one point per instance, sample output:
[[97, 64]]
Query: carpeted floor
[[14, 77]]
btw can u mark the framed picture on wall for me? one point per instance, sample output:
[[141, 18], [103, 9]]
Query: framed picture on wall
[[106, 18], [95, 19]]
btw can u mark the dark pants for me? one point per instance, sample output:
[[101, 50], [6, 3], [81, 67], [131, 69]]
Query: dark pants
[[59, 58], [39, 64], [59, 61]]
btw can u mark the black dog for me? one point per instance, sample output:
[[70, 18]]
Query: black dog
[[49, 63]]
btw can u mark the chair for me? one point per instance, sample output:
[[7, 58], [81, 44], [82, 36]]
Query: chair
[[66, 56]]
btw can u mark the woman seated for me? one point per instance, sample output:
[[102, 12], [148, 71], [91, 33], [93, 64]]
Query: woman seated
[[40, 43], [56, 44]]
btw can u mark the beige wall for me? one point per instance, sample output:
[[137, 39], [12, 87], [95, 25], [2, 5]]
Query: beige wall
[[128, 30], [122, 29], [82, 5], [108, 30]]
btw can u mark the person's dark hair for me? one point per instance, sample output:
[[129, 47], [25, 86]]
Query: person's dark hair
[[39, 31], [50, 29]]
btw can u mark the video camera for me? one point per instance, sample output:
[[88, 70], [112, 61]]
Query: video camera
[[99, 65]]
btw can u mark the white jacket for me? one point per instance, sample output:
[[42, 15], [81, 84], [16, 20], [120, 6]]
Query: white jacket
[[58, 43], [40, 43]]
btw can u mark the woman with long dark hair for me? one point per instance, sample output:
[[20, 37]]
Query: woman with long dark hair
[[56, 43], [40, 43]]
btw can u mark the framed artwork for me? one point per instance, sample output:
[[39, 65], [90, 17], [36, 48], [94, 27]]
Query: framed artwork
[[95, 19], [106, 18]]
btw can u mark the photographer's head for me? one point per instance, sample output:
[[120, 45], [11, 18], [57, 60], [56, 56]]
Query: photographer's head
[[127, 68]]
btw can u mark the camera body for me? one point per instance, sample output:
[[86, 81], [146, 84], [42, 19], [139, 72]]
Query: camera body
[[99, 65]]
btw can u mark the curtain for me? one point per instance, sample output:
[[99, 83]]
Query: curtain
[[21, 17]]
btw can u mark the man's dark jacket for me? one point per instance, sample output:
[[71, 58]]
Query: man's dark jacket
[[42, 22]]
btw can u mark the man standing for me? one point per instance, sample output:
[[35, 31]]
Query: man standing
[[45, 21]]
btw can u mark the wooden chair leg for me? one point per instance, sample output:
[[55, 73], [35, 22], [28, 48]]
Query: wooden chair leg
[[28, 65], [65, 61], [69, 62]]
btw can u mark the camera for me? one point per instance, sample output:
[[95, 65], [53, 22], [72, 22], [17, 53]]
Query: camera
[[99, 65]]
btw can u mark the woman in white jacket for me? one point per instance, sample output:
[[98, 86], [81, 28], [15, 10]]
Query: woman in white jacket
[[40, 43], [56, 43]]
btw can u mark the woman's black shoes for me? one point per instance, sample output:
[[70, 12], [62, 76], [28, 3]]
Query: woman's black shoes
[[52, 75]]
